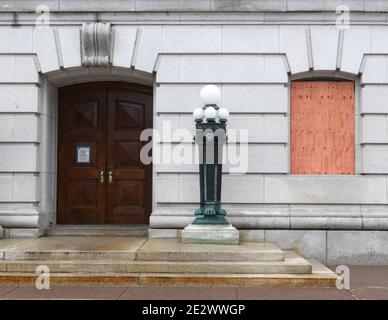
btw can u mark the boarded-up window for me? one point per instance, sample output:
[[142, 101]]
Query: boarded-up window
[[322, 127]]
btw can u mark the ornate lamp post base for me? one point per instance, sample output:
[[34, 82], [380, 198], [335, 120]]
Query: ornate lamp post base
[[210, 227], [210, 214], [210, 234]]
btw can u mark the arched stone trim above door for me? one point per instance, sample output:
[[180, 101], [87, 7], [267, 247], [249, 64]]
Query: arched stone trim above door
[[63, 47], [47, 153]]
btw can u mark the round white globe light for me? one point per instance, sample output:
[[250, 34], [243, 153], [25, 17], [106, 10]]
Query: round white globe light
[[223, 114], [210, 113], [210, 94], [198, 113]]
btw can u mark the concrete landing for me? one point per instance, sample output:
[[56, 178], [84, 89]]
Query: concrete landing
[[157, 261], [70, 248]]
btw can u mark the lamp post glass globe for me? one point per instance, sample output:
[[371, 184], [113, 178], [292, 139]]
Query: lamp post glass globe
[[198, 114], [210, 95], [210, 113], [223, 114]]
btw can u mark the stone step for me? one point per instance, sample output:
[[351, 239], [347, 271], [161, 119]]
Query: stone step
[[293, 265], [72, 248], [135, 248], [174, 250], [321, 276], [64, 255], [214, 267], [98, 231]]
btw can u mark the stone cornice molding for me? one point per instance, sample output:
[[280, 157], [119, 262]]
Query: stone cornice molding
[[195, 5], [18, 19]]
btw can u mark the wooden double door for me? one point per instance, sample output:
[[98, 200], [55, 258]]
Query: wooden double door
[[101, 177]]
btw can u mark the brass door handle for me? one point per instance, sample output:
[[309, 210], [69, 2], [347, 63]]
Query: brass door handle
[[110, 174], [102, 174]]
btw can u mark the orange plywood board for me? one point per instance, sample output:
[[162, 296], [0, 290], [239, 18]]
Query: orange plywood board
[[322, 128]]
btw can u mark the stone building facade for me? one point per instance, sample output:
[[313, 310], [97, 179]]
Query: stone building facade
[[252, 50]]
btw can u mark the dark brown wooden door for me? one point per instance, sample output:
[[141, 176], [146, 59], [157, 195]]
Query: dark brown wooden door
[[101, 178], [128, 191]]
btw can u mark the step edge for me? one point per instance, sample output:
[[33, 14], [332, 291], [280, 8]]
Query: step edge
[[135, 262], [261, 280]]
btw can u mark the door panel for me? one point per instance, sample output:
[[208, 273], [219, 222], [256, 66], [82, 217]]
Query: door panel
[[129, 193], [82, 123], [129, 115], [83, 115], [107, 119]]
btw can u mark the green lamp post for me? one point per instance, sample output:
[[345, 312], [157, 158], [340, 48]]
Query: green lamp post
[[210, 123]]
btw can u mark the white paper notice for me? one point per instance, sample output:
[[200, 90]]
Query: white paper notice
[[83, 154]]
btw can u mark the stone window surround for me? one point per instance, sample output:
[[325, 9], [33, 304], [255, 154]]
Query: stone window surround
[[51, 82], [357, 124]]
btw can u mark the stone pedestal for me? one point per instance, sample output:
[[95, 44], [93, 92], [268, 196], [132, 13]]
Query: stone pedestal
[[210, 233]]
